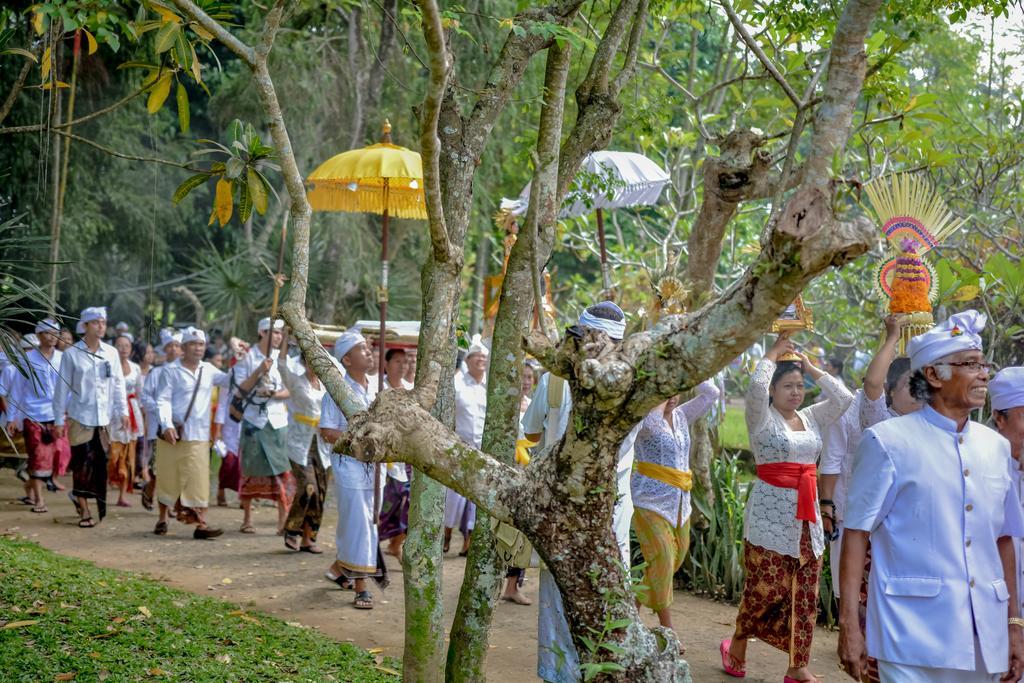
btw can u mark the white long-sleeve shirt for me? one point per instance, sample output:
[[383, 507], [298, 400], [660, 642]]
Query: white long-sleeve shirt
[[32, 397], [262, 410], [770, 517], [177, 384], [660, 444], [470, 409], [91, 387], [349, 472]]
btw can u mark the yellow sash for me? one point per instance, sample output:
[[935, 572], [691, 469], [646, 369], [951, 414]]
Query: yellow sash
[[668, 475], [306, 420]]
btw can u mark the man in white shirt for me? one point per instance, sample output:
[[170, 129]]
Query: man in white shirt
[[170, 345], [358, 485], [843, 436], [933, 490], [183, 401], [266, 469], [1007, 393], [90, 394], [30, 410], [470, 412], [545, 421]]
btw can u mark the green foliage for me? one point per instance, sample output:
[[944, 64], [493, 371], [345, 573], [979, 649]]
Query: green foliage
[[93, 623], [714, 566], [22, 301], [239, 173]]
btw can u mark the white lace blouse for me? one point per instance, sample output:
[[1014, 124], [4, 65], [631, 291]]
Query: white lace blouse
[[661, 444], [770, 521]]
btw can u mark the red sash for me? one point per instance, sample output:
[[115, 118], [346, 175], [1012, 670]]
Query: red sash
[[794, 475], [133, 421]]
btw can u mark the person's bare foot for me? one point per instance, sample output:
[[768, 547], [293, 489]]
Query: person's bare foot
[[802, 674], [517, 598]]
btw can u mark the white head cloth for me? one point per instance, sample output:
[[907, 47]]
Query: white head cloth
[[346, 342], [192, 334], [168, 336], [122, 326], [127, 335], [961, 332], [265, 324], [1007, 388], [616, 329], [47, 325], [92, 313], [478, 345], [29, 341]]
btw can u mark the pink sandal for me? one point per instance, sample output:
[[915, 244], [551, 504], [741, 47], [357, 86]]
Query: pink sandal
[[723, 648]]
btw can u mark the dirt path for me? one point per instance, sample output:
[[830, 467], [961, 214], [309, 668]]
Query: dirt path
[[257, 571]]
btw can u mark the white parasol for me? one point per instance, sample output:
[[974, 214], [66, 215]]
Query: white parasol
[[606, 180]]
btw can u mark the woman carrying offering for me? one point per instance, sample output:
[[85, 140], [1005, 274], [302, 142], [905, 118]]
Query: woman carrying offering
[[782, 529], [661, 486]]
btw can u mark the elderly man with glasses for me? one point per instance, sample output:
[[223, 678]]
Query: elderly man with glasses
[[933, 491]]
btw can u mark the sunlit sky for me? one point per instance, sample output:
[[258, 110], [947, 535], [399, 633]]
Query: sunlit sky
[[1009, 38]]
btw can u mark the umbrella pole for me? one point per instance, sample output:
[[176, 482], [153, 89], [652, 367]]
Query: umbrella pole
[[606, 275], [382, 296]]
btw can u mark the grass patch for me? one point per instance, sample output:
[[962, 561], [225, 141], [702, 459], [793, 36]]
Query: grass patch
[[732, 432], [66, 619]]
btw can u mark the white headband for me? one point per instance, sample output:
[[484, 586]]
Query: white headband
[[616, 329]]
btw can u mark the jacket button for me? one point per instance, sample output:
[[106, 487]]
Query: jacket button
[[972, 583], [967, 472], [961, 439], [968, 544], [969, 507]]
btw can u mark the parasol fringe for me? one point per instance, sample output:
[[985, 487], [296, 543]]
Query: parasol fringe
[[402, 203]]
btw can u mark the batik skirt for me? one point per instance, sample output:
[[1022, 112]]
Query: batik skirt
[[780, 599], [121, 465], [664, 547], [394, 510], [307, 508]]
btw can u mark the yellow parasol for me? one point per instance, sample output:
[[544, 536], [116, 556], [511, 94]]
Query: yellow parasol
[[384, 179]]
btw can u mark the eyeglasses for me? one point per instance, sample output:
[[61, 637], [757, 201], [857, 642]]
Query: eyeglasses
[[974, 366]]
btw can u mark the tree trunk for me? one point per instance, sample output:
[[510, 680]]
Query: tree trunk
[[484, 573]]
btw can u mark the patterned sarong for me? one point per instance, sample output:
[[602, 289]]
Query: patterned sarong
[[780, 599], [307, 509], [664, 547]]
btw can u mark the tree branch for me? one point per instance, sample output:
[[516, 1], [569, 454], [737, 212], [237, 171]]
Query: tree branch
[[244, 52], [398, 428], [35, 128], [769, 65], [508, 71], [430, 144], [19, 83], [128, 157]]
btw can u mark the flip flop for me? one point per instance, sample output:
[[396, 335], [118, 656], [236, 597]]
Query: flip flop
[[291, 541], [147, 500], [723, 648], [343, 583], [311, 548], [248, 529], [74, 501], [123, 504], [160, 529], [25, 500], [86, 523], [40, 509], [364, 600]]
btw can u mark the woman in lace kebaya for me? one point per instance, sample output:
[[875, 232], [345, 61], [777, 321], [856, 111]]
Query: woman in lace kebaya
[[661, 486], [782, 530]]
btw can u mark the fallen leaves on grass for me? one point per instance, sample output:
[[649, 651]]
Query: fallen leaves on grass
[[245, 617], [387, 670], [19, 624], [145, 611], [69, 676]]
